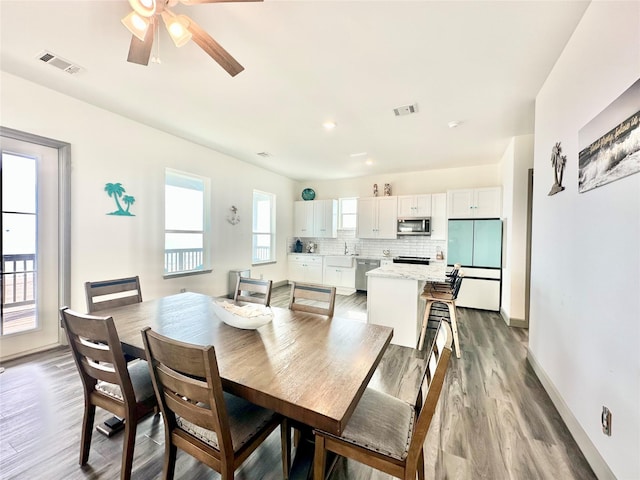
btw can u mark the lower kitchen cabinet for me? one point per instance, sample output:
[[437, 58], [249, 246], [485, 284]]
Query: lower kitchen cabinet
[[343, 278], [305, 268]]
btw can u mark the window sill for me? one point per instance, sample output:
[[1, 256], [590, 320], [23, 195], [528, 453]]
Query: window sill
[[271, 262], [168, 276]]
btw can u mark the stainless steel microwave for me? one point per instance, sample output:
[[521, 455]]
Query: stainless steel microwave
[[414, 226]]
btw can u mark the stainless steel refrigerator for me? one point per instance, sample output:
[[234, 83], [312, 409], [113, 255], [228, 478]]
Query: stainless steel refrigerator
[[477, 246]]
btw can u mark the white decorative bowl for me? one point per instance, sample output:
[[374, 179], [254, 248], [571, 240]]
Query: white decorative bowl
[[247, 317]]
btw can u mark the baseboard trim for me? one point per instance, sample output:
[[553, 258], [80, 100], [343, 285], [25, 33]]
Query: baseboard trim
[[513, 322], [589, 450]]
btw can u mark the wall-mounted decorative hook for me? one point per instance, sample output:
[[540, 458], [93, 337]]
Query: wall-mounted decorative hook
[[233, 218]]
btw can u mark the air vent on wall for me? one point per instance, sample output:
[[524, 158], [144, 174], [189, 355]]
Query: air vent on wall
[[406, 110], [59, 62]]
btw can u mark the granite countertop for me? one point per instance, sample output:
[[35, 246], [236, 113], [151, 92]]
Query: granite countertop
[[433, 273]]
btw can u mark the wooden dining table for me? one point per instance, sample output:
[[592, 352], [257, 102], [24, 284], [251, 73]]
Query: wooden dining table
[[308, 367]]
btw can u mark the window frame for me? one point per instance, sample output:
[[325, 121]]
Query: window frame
[[341, 214], [254, 232], [178, 177]]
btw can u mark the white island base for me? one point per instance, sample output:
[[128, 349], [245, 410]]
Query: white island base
[[393, 299]]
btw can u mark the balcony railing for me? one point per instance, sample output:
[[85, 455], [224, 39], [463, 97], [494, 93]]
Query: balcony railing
[[18, 280], [261, 254], [183, 260]]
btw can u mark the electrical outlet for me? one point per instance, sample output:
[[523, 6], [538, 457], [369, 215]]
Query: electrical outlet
[[261, 276], [182, 290], [606, 421]]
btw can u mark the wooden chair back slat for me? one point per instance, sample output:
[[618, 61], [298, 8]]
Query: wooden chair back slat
[[95, 291], [98, 352], [313, 293], [100, 372], [245, 285], [192, 389]]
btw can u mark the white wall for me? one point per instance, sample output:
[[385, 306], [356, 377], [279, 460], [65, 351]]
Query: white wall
[[516, 162], [108, 148], [585, 287], [426, 181]]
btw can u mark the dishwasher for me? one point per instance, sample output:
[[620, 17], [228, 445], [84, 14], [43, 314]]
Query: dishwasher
[[362, 267]]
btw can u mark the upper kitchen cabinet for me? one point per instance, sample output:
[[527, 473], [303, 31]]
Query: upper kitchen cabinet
[[475, 203], [317, 218], [414, 206], [439, 216], [303, 219], [377, 217], [325, 218]]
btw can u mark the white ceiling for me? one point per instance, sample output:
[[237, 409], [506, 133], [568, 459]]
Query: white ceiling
[[306, 62]]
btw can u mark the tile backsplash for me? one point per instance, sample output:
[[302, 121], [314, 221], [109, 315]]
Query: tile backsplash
[[415, 246]]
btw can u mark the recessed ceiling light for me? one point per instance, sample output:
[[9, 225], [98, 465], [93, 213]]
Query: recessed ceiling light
[[369, 162], [453, 123], [330, 125]]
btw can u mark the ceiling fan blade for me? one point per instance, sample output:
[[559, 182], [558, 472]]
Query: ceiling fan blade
[[139, 50], [214, 49], [195, 2]]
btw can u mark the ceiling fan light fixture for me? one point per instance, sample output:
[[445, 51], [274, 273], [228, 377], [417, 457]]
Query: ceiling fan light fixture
[[146, 8], [136, 24], [177, 26]]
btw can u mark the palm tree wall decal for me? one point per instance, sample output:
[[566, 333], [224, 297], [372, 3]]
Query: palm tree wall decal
[[116, 190], [558, 162]]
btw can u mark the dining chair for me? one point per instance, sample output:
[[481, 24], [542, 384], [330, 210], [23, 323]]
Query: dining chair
[[307, 297], [108, 381], [107, 294], [387, 433], [216, 427], [448, 297], [253, 290]]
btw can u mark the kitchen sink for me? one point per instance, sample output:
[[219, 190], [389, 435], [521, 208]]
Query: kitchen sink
[[345, 261]]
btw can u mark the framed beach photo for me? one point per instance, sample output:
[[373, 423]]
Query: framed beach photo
[[610, 143]]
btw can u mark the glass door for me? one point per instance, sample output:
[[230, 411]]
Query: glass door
[[29, 314]]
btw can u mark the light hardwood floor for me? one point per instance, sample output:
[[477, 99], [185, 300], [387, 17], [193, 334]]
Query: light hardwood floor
[[494, 420]]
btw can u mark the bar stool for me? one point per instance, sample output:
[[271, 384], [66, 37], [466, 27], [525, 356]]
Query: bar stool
[[438, 293]]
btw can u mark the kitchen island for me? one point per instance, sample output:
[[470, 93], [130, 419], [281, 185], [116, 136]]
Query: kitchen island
[[393, 298]]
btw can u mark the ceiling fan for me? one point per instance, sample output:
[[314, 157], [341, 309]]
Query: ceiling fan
[[142, 21]]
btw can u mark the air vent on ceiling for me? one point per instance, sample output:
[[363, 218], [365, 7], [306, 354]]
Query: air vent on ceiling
[[263, 154], [59, 62], [406, 110]]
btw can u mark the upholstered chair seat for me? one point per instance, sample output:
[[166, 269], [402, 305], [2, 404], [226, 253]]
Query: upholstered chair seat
[[140, 379], [245, 421], [381, 423]]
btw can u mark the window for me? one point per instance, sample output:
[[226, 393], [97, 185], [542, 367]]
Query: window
[[186, 232], [264, 227], [348, 208]]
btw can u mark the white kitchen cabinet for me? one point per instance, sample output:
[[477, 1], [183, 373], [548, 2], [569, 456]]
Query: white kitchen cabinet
[[325, 218], [480, 288], [317, 218], [303, 219], [475, 203], [343, 278], [305, 268], [414, 206], [439, 216], [377, 217]]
